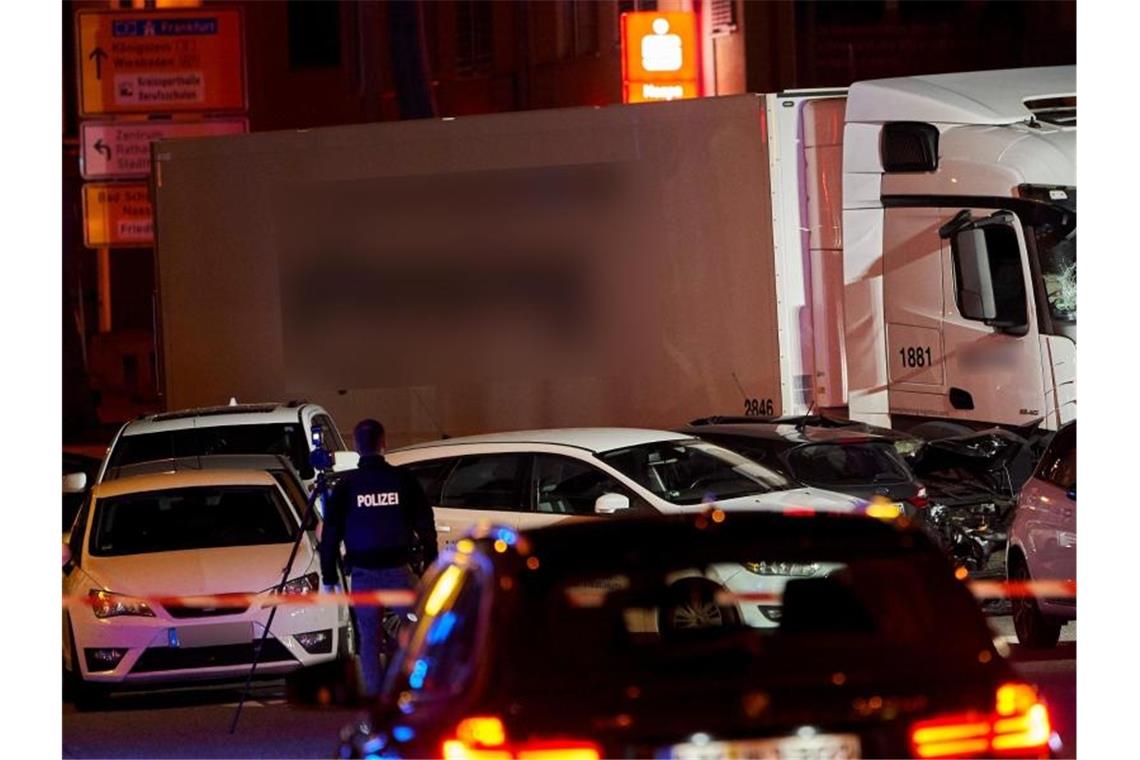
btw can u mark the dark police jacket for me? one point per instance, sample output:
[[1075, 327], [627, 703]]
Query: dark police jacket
[[375, 510]]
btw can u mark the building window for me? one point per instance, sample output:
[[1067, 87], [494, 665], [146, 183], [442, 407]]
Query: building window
[[473, 30], [577, 28], [632, 6], [722, 17], [314, 34], [629, 6]]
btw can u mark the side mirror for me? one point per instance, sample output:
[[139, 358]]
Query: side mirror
[[345, 460], [66, 554], [988, 269], [609, 503], [75, 482], [975, 279]]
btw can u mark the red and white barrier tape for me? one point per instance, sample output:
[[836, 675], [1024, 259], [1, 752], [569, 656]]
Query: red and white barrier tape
[[979, 588], [390, 598], [582, 597]]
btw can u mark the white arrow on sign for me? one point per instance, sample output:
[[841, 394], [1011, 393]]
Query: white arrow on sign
[[121, 149]]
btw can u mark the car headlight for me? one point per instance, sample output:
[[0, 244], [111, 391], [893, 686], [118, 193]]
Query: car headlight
[[782, 568], [306, 584], [107, 604]]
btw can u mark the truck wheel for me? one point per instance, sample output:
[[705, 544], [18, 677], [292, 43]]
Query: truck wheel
[[1034, 630], [938, 429]]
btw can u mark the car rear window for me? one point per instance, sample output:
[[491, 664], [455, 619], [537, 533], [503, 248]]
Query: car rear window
[[745, 619], [283, 439], [848, 464], [202, 517]]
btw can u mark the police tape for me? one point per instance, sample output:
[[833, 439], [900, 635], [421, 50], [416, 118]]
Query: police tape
[[401, 599], [395, 598], [981, 589]]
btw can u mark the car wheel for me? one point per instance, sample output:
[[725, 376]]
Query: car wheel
[[1034, 629], [84, 695], [693, 607]]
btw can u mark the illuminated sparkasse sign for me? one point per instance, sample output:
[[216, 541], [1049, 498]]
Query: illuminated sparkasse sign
[[659, 56]]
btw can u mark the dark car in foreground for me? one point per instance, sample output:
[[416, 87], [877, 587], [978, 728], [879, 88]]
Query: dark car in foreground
[[545, 645], [849, 458]]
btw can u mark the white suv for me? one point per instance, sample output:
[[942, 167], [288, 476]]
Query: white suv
[[529, 479], [283, 429]]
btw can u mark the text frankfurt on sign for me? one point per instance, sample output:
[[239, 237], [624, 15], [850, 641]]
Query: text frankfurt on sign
[[160, 62], [117, 215], [121, 149]]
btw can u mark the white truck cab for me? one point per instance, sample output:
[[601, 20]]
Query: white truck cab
[[959, 248]]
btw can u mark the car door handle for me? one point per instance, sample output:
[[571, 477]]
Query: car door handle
[[443, 528]]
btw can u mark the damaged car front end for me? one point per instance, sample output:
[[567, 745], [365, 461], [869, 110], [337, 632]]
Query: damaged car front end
[[972, 482]]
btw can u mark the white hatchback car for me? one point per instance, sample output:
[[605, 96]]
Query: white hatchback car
[[1043, 541], [529, 479], [179, 534]]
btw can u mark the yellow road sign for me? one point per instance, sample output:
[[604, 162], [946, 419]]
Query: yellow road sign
[[117, 215], [160, 61]]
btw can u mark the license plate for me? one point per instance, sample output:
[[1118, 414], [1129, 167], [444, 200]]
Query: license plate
[[818, 747], [211, 635]]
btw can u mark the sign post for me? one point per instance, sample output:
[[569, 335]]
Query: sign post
[[173, 61], [117, 215], [121, 149], [185, 66]]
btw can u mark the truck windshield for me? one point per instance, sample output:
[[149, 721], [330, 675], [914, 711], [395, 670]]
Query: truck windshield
[[693, 472], [1058, 257]]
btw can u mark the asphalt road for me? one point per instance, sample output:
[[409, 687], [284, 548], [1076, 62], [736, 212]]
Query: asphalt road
[[194, 723]]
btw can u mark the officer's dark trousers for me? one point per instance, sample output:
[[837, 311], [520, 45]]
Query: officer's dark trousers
[[373, 641]]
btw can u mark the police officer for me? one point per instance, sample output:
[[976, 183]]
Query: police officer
[[377, 511]]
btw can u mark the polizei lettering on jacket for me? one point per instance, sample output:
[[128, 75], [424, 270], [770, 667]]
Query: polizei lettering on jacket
[[387, 499]]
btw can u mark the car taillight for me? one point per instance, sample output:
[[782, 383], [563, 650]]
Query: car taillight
[[920, 499], [1019, 726], [485, 738]]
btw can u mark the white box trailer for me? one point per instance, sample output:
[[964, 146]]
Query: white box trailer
[[635, 265]]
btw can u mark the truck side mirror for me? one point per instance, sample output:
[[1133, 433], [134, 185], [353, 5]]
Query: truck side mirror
[[988, 270], [609, 503], [975, 281]]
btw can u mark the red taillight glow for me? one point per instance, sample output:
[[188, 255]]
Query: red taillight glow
[[485, 738], [1019, 723], [920, 499]]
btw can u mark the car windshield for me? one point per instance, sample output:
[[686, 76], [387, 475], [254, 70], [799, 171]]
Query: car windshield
[[847, 464], [693, 472], [284, 439], [769, 617], [203, 517]]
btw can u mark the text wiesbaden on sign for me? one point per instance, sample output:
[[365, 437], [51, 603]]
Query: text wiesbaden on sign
[[659, 56], [160, 62]]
